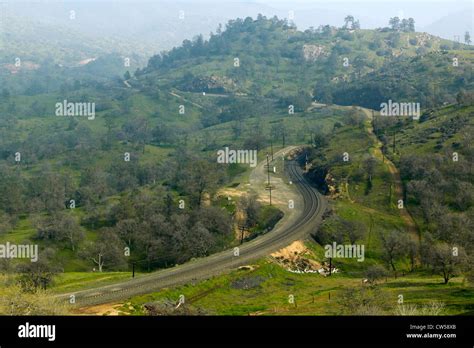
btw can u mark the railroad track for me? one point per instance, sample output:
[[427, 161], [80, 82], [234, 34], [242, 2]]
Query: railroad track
[[313, 208]]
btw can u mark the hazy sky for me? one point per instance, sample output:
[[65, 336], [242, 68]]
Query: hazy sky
[[373, 13], [424, 11], [145, 19]]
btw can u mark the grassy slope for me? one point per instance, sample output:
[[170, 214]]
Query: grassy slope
[[270, 297], [435, 135], [248, 47], [156, 111], [354, 206], [220, 296]]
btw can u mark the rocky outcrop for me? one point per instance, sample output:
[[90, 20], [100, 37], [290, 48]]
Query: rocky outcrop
[[312, 53], [211, 84]]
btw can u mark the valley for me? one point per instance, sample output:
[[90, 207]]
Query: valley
[[152, 197]]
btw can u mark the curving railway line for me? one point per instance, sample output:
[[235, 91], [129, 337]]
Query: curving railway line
[[281, 236]]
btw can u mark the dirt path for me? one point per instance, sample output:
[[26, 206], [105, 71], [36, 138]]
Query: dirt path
[[377, 152], [186, 100], [282, 193]]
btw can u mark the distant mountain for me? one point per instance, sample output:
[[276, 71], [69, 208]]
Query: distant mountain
[[349, 67], [452, 25], [39, 43], [150, 27], [146, 27]]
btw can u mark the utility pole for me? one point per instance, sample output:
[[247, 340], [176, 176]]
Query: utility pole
[[268, 178], [271, 146], [270, 188], [268, 171]]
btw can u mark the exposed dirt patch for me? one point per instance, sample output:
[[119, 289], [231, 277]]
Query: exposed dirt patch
[[282, 191], [296, 248], [231, 192], [103, 309], [296, 258]]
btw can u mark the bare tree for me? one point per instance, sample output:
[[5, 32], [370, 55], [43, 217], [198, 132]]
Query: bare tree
[[412, 247], [106, 251], [393, 245], [38, 275], [60, 227], [446, 260], [375, 273], [251, 208], [369, 166]]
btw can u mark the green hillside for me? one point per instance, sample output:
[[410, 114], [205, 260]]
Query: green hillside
[[138, 182]]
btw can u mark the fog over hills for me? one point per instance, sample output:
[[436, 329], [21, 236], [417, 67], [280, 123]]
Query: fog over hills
[[149, 27]]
